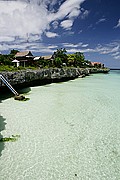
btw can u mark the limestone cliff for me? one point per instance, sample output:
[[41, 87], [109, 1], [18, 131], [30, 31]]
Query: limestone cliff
[[42, 76]]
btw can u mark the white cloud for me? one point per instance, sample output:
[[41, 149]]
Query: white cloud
[[116, 53], [32, 46], [66, 24], [55, 24], [117, 57], [118, 24], [73, 50], [28, 20], [51, 34], [84, 45], [70, 45], [6, 39], [112, 49], [52, 46], [74, 13], [18, 18], [101, 20], [108, 49], [68, 8], [75, 45]]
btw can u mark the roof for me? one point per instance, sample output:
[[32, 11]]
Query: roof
[[37, 58], [15, 61], [47, 57], [24, 53], [96, 63]]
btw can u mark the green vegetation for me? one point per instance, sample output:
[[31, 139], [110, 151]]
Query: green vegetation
[[59, 59], [7, 139], [6, 59]]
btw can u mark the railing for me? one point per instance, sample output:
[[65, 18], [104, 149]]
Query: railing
[[8, 85]]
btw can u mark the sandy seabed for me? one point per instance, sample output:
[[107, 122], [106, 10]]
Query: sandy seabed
[[68, 131]]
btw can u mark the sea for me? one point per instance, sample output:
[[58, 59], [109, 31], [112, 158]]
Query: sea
[[66, 131]]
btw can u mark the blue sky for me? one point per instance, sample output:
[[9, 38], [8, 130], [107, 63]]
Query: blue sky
[[42, 26]]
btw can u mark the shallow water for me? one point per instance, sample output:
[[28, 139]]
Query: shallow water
[[68, 131]]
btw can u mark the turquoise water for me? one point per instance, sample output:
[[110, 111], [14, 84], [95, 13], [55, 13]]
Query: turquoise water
[[68, 131]]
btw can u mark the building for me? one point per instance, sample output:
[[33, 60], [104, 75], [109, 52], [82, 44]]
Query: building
[[23, 58], [97, 64]]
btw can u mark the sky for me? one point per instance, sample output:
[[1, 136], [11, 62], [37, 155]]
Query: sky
[[43, 26]]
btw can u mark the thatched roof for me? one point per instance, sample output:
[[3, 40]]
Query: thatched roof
[[47, 57], [24, 53]]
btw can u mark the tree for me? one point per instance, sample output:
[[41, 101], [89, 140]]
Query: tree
[[13, 52], [71, 59], [57, 62], [5, 60], [76, 59], [79, 59], [60, 54]]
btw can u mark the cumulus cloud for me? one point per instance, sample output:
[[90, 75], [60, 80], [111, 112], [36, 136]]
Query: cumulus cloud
[[51, 34], [28, 20], [67, 24], [68, 8], [20, 18]]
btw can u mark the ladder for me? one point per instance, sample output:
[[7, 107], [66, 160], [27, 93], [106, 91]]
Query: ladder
[[8, 85]]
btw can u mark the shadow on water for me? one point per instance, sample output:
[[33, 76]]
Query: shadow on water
[[24, 90], [2, 127], [6, 93]]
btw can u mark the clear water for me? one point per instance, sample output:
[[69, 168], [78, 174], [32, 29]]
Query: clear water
[[68, 131]]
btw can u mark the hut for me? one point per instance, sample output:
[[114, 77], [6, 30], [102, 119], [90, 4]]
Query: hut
[[24, 58]]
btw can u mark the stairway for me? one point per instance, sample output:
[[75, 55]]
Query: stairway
[[8, 85]]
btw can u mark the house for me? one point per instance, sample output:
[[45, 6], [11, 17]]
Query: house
[[97, 64], [23, 58]]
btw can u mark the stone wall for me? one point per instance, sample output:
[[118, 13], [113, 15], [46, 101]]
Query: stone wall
[[43, 76]]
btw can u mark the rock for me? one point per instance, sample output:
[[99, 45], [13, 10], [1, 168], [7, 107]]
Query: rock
[[82, 76], [19, 97], [32, 77]]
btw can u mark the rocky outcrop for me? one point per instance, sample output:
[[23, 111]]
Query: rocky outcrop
[[96, 70], [42, 76]]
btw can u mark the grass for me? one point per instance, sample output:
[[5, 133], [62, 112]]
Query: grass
[[12, 68]]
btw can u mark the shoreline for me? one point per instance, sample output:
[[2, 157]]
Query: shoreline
[[27, 78]]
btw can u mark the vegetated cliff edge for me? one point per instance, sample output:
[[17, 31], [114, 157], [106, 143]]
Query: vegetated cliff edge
[[25, 78]]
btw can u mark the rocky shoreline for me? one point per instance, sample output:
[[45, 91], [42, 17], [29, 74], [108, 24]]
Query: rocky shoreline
[[27, 78]]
